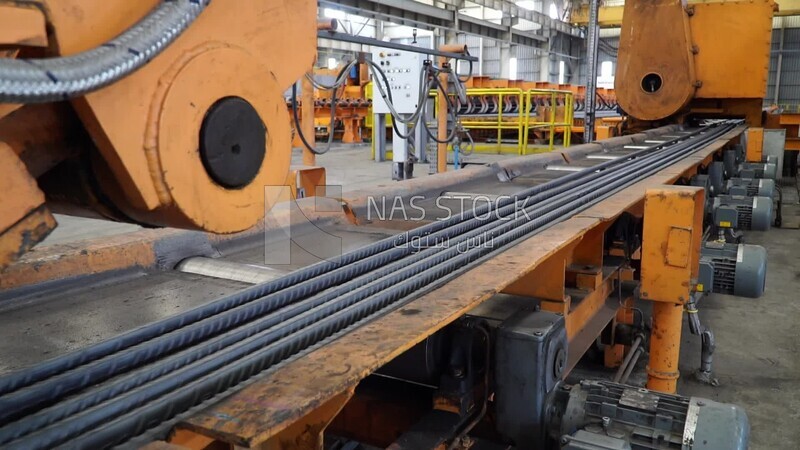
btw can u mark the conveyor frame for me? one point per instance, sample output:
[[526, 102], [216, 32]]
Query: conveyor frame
[[325, 378], [311, 389]]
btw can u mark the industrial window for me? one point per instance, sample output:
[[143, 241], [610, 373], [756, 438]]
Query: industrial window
[[607, 69], [512, 68]]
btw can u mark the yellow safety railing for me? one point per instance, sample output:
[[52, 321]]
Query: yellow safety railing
[[499, 120], [558, 114], [537, 109], [550, 110]]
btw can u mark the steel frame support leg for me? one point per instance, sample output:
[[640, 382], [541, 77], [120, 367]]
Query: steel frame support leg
[[665, 347], [614, 354], [307, 433], [379, 137], [673, 229], [352, 131]]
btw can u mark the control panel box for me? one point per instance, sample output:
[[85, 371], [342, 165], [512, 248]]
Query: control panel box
[[403, 71]]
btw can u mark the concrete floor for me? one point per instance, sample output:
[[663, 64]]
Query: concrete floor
[[758, 340], [757, 360]]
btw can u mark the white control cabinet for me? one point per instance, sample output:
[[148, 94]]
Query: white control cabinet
[[403, 70]]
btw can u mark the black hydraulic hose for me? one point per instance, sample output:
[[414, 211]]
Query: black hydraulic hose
[[16, 404], [152, 409], [469, 75], [64, 363], [299, 128], [451, 112], [624, 366], [56, 79], [631, 365], [296, 117], [652, 166]]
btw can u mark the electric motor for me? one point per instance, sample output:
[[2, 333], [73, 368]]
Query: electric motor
[[600, 415], [758, 170], [734, 165], [743, 213], [730, 163], [716, 177], [733, 269], [750, 187], [534, 409], [704, 181]]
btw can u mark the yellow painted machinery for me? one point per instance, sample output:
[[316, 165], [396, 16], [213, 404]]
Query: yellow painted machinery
[[707, 59], [159, 113], [543, 111], [524, 117], [610, 15]]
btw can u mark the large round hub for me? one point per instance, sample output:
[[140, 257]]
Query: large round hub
[[232, 142], [223, 140]]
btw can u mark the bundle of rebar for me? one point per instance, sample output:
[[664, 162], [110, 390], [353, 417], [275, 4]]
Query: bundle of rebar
[[111, 392]]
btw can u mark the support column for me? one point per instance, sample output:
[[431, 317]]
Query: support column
[[441, 153], [545, 58], [379, 34], [505, 56], [665, 347], [421, 143], [400, 161], [481, 48], [379, 137], [591, 78], [444, 123], [673, 230], [545, 67], [779, 69]]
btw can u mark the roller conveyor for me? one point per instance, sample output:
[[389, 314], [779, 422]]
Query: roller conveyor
[[489, 106], [371, 288]]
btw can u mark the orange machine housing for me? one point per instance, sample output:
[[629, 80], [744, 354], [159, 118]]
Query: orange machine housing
[[707, 59], [133, 145]]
